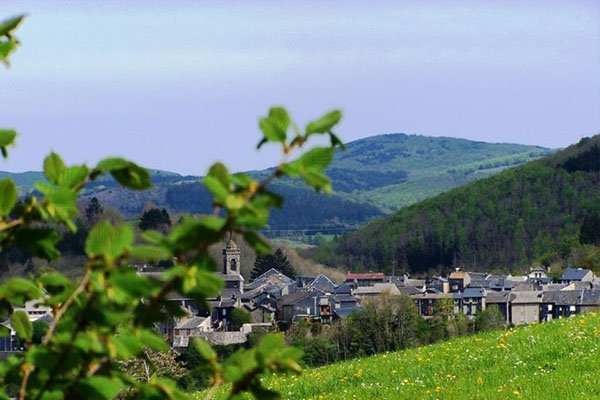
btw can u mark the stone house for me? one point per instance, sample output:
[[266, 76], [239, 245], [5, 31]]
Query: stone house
[[577, 275], [473, 301], [525, 307]]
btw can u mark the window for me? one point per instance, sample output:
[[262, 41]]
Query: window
[[233, 264]]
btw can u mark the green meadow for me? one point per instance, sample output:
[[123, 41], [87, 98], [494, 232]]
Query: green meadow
[[555, 360]]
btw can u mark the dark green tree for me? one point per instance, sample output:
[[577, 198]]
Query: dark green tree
[[590, 229], [155, 219], [93, 212], [277, 260], [239, 317], [489, 319], [40, 328]]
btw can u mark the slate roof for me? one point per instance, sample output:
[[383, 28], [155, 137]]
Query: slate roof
[[574, 274], [190, 323], [344, 298], [344, 288], [291, 299], [590, 297], [497, 297], [499, 283], [344, 312], [408, 290], [562, 297], [473, 292], [526, 297]]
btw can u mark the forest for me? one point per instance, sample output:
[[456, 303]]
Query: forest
[[544, 211]]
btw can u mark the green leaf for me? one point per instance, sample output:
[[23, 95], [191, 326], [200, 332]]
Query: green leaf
[[220, 172], [108, 241], [126, 173], [8, 196], [54, 282], [318, 181], [150, 253], [204, 348], [99, 387], [215, 187], [73, 176], [325, 123], [234, 201], [23, 288], [152, 340], [53, 167], [275, 126], [7, 137], [20, 322], [258, 243], [318, 158], [280, 116], [8, 26]]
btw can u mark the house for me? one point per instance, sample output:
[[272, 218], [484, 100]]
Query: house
[[377, 289], [366, 278], [498, 283], [559, 304], [500, 299], [458, 281], [564, 303], [35, 310], [262, 313], [576, 275], [473, 300], [476, 279], [538, 274], [322, 283], [525, 307], [427, 303], [189, 328], [440, 283], [272, 276], [590, 300], [297, 305]]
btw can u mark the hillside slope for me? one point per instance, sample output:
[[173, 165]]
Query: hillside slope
[[372, 177], [555, 360], [502, 222]]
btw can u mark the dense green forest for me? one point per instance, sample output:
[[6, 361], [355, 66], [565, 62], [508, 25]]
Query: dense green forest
[[372, 177], [540, 211]]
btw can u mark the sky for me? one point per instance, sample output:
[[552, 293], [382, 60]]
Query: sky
[[177, 85]]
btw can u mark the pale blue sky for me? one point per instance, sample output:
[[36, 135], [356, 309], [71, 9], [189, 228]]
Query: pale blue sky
[[178, 84]]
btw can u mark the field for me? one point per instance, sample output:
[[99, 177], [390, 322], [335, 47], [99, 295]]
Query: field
[[556, 360]]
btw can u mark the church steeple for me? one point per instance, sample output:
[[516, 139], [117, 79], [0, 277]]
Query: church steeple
[[231, 257]]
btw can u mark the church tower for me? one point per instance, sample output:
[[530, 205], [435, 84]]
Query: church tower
[[231, 258]]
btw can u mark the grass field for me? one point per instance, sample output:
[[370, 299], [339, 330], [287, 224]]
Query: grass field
[[556, 360]]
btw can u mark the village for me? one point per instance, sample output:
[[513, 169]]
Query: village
[[275, 301]]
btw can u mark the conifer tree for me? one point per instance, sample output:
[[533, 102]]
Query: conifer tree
[[277, 260]]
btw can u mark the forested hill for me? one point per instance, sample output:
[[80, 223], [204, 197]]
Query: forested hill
[[540, 210], [374, 176]]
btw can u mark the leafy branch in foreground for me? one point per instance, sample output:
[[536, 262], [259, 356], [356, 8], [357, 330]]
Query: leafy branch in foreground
[[107, 317]]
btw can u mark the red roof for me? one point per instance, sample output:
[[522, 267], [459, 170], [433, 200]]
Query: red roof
[[364, 276]]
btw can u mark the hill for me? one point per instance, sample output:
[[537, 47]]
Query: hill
[[372, 177], [541, 209], [395, 170], [555, 360]]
